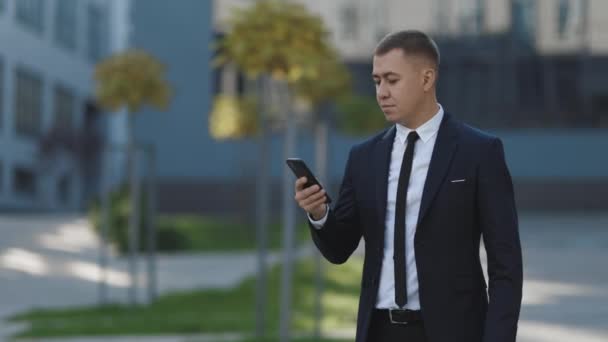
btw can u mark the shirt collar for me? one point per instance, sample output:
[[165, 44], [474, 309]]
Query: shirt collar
[[426, 131]]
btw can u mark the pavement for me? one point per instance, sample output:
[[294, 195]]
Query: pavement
[[51, 261], [566, 277]]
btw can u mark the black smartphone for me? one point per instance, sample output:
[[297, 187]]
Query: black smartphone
[[300, 169]]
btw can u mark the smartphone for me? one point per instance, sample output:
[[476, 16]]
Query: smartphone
[[300, 169]]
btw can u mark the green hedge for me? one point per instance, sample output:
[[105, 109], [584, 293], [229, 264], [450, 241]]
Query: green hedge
[[185, 232], [120, 207]]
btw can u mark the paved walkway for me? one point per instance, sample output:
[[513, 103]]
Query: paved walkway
[[51, 261]]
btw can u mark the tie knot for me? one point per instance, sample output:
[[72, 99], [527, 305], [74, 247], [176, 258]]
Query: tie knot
[[412, 137]]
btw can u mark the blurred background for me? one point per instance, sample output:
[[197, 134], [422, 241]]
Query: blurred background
[[143, 189]]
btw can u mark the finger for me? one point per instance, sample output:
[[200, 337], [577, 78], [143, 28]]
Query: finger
[[300, 183], [316, 204], [303, 196], [301, 193], [311, 190], [313, 198]]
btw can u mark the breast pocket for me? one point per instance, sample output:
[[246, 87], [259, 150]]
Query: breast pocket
[[458, 188], [457, 196]]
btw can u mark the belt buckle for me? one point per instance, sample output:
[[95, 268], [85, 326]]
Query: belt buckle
[[399, 311]]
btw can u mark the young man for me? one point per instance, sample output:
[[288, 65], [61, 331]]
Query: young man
[[421, 194]]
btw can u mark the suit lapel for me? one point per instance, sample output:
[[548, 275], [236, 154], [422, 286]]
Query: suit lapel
[[382, 159], [445, 146]]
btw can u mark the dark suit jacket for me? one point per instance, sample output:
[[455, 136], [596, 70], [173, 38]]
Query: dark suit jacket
[[453, 217]]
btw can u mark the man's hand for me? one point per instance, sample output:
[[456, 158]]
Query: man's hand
[[311, 199]]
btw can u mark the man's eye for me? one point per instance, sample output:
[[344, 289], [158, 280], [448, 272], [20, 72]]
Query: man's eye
[[392, 81]]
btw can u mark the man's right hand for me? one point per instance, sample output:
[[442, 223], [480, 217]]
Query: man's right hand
[[311, 199]]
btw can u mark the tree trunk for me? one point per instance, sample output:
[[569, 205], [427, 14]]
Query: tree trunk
[[288, 218], [151, 224], [321, 139], [134, 213], [262, 196], [105, 227]]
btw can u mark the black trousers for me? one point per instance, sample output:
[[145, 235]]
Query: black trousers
[[382, 330]]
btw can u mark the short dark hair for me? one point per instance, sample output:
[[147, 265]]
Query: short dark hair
[[411, 42]]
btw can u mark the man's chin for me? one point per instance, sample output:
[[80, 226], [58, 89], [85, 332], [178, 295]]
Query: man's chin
[[391, 117]]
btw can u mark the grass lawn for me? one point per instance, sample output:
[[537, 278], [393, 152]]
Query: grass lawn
[[211, 311], [299, 340]]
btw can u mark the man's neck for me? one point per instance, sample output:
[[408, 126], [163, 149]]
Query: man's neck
[[425, 114]]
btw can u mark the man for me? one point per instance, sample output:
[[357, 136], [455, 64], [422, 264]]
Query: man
[[421, 194]]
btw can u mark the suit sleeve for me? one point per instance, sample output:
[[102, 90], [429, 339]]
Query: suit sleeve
[[341, 233], [499, 225]]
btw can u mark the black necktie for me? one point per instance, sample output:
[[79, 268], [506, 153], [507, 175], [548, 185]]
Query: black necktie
[[399, 241]]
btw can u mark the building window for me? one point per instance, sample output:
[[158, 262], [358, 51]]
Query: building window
[[599, 106], [380, 12], [65, 23], [570, 18], [2, 5], [524, 21], [568, 94], [529, 76], [28, 103], [350, 22], [63, 189], [63, 108], [24, 182], [30, 13], [471, 17], [96, 33], [562, 17], [1, 91]]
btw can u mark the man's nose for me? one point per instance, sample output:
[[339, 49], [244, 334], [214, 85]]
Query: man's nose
[[382, 92]]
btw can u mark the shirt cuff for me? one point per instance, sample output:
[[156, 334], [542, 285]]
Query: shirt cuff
[[320, 223]]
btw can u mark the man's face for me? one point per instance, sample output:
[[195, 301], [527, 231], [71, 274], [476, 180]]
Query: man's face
[[400, 85]]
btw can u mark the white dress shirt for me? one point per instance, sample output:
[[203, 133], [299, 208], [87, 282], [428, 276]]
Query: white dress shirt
[[420, 166]]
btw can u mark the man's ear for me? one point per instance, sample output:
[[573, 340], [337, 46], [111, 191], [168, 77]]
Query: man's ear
[[429, 77]]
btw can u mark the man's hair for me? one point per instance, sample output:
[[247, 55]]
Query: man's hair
[[411, 42]]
